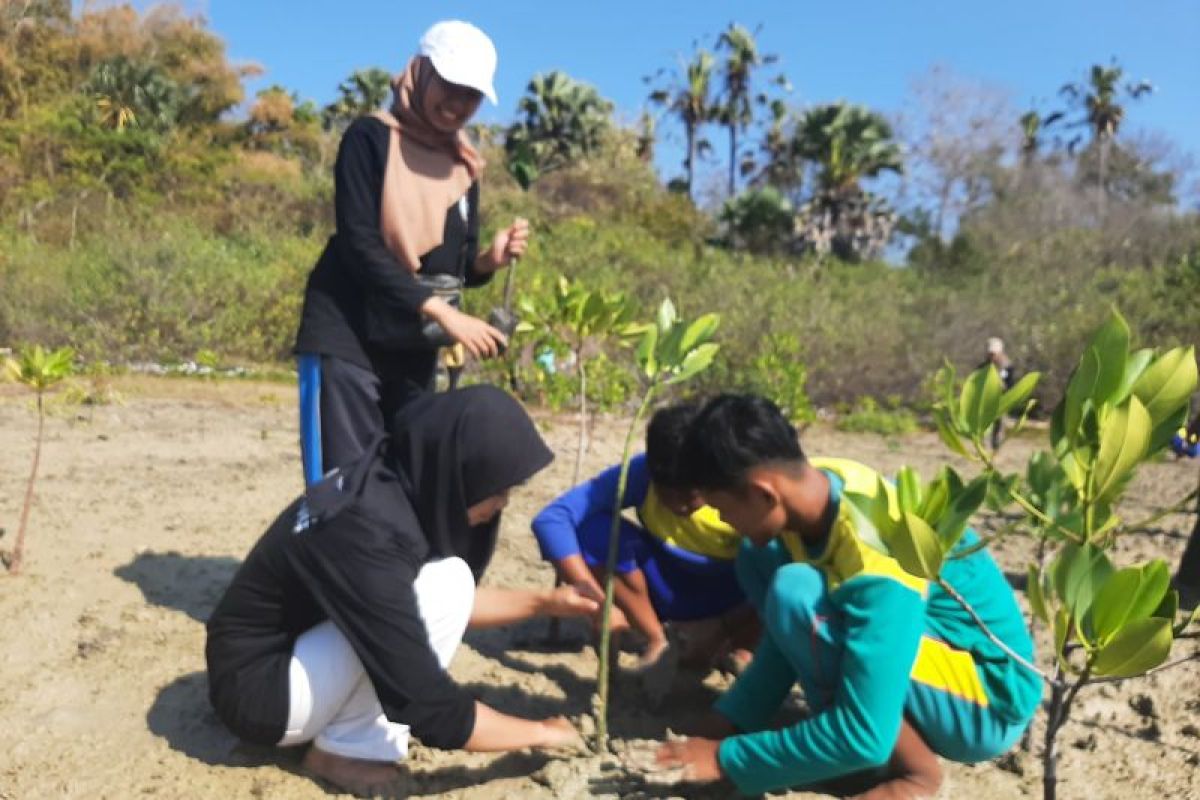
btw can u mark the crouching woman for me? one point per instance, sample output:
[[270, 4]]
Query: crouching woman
[[339, 626]]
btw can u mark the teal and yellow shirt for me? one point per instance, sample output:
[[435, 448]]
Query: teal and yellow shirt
[[898, 629]]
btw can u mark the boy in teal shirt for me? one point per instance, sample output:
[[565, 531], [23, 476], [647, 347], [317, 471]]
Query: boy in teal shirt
[[892, 668]]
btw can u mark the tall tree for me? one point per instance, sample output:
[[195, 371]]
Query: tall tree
[[958, 129], [689, 99], [1100, 98], [846, 144], [782, 167], [364, 91], [735, 108], [561, 121]]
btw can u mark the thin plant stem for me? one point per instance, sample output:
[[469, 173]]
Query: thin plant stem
[[602, 679], [1062, 697], [1050, 739], [1159, 668], [1015, 656], [18, 554], [1022, 501], [583, 411], [1178, 508]]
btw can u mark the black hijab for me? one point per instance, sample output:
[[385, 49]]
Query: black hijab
[[454, 449]]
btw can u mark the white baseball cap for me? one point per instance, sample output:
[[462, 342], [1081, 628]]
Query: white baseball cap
[[462, 54]]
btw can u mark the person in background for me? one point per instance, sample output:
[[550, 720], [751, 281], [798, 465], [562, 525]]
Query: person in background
[[383, 296], [337, 630], [676, 566], [1004, 367]]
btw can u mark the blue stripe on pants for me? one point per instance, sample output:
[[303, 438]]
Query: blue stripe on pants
[[308, 366]]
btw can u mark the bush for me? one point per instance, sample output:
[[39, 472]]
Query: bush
[[868, 417]]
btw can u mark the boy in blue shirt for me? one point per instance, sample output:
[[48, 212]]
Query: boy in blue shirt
[[677, 565], [892, 668]]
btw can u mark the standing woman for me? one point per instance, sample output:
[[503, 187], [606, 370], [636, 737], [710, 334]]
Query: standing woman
[[339, 626], [381, 299]]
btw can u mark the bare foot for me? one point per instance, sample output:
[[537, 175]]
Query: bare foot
[[654, 652], [736, 661], [909, 787], [913, 772], [357, 776]]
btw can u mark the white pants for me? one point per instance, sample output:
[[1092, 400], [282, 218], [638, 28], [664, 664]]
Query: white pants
[[332, 702]]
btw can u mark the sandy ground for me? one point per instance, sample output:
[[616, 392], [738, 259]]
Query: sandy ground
[[146, 505]]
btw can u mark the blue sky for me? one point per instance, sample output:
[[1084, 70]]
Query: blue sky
[[868, 51]]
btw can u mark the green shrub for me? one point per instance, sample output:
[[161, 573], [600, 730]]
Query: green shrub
[[868, 417]]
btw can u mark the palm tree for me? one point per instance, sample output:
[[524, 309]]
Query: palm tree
[[846, 144], [361, 93], [690, 100], [736, 107], [131, 93], [562, 121], [782, 167], [1099, 96], [1033, 126]]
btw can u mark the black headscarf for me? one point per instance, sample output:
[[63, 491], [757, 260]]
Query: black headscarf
[[454, 449]]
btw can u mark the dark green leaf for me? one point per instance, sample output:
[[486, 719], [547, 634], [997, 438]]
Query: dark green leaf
[[1136, 648]]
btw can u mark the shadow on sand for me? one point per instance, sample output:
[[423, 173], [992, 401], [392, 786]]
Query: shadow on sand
[[182, 716], [191, 584]]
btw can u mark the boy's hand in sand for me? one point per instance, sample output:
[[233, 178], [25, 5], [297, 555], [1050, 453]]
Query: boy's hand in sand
[[695, 756], [573, 600]]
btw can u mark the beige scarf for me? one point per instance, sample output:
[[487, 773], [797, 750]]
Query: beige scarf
[[427, 172]]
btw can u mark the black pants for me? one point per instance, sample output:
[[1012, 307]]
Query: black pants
[[344, 406]]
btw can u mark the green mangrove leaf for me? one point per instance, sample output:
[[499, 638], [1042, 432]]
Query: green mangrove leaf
[[1077, 574], [873, 516], [1139, 646], [646, 353], [1134, 368], [1124, 438], [699, 331], [916, 547], [962, 505], [908, 489], [1111, 344], [979, 402], [695, 362], [948, 434], [1168, 383], [1062, 629], [1129, 594], [1079, 392], [1033, 592], [669, 355], [1019, 393], [934, 499]]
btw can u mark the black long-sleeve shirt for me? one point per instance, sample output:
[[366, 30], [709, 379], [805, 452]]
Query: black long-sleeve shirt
[[361, 302], [348, 551]]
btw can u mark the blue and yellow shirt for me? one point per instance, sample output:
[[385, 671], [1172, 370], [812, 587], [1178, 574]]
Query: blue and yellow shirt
[[696, 539]]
